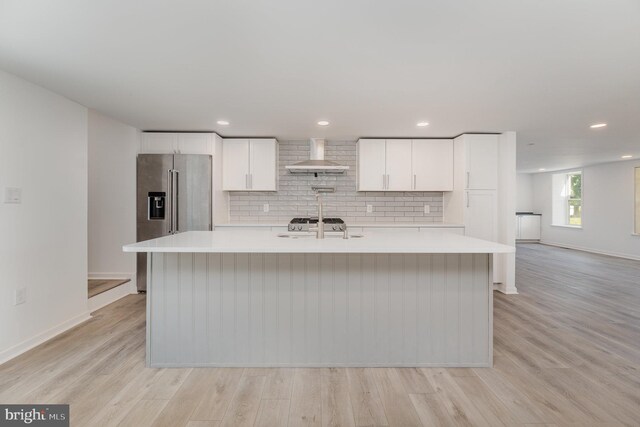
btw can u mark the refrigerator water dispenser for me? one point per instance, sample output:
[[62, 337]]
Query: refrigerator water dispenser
[[157, 205]]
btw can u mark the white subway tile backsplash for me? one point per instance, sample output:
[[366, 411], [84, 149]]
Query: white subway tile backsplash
[[295, 197]]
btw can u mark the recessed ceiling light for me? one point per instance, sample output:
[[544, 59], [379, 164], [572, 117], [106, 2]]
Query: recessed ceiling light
[[542, 169], [598, 125], [627, 156], [223, 122], [422, 124], [323, 123]]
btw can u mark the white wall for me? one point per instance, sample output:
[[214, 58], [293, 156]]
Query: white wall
[[524, 192], [608, 198], [112, 196], [43, 243]]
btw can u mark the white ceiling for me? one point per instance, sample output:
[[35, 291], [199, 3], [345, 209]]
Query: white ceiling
[[546, 69]]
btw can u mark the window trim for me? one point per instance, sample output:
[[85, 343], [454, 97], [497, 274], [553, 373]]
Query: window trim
[[636, 201], [565, 201]]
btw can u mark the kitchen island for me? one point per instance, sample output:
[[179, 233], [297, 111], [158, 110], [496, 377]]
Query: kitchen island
[[252, 298]]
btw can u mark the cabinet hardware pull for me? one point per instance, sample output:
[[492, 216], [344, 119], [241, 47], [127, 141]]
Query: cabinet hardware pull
[[414, 181], [467, 199]]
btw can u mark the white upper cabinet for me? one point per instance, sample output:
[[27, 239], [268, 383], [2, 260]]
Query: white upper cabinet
[[405, 165], [235, 164], [481, 162], [263, 164], [249, 164], [372, 172], [432, 164], [176, 143], [158, 143], [195, 143], [399, 165]]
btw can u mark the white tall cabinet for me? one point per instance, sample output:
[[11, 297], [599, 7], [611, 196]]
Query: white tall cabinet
[[480, 216], [483, 196], [249, 164], [405, 165], [473, 201], [481, 162]]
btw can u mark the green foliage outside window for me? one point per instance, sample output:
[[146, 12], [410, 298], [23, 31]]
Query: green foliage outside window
[[575, 199]]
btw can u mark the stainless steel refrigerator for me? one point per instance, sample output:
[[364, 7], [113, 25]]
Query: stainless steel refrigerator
[[174, 195]]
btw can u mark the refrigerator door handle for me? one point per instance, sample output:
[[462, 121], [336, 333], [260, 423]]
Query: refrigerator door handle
[[170, 188], [176, 227]]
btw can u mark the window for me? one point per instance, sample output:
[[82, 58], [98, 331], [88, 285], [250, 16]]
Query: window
[[567, 199], [637, 220]]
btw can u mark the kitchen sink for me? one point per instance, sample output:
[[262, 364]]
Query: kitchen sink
[[327, 235]]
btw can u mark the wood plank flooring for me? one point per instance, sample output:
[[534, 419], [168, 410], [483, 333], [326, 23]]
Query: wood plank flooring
[[99, 286], [567, 352]]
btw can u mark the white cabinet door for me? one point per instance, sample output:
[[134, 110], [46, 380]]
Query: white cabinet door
[[158, 143], [263, 164], [371, 165], [432, 164], [235, 164], [480, 216], [518, 228], [399, 165], [481, 157], [529, 227], [195, 143]]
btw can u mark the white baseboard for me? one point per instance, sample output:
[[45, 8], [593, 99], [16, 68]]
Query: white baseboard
[[111, 276], [593, 251], [105, 298], [500, 287], [30, 343]]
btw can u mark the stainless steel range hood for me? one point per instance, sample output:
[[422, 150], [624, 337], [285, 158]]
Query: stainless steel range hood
[[316, 163]]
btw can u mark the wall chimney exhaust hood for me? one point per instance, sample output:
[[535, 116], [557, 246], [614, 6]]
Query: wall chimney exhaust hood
[[316, 163]]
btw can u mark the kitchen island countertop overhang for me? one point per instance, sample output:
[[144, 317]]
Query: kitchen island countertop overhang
[[248, 298], [258, 241]]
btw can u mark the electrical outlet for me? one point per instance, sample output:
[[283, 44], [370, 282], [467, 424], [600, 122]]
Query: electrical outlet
[[427, 209], [369, 208], [13, 195], [19, 296], [265, 207]]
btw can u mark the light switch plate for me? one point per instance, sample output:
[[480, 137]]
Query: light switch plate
[[369, 208], [265, 207], [20, 296], [13, 195], [427, 209]]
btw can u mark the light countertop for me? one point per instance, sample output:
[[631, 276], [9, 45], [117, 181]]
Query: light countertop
[[267, 241]]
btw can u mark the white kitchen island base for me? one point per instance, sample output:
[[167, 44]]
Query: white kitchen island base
[[319, 309]]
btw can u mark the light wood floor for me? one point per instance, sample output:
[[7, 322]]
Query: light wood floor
[[99, 286], [567, 352]]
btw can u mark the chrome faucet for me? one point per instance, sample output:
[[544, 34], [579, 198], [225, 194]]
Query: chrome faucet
[[319, 229]]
